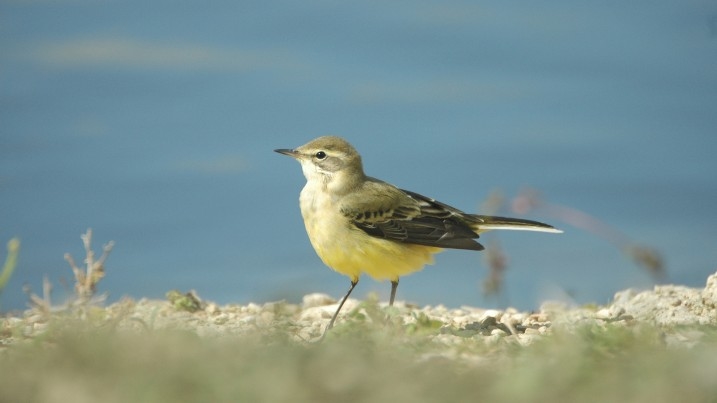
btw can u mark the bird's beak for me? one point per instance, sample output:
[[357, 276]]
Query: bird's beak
[[286, 151]]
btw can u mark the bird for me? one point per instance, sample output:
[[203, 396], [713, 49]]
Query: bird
[[358, 224]]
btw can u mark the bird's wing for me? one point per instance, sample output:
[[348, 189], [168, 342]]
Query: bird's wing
[[479, 223], [404, 216]]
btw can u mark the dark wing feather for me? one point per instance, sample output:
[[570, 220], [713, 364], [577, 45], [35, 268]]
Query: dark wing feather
[[421, 221]]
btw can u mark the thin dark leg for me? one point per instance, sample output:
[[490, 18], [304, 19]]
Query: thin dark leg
[[333, 318], [394, 286]]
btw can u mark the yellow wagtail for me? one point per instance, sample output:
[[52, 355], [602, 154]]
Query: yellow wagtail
[[359, 224]]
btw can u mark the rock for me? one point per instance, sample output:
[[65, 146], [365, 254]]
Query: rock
[[670, 304], [316, 299], [709, 294]]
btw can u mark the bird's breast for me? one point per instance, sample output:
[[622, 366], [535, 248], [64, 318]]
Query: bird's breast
[[349, 250]]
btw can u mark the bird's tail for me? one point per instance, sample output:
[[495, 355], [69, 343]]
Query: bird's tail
[[484, 223]]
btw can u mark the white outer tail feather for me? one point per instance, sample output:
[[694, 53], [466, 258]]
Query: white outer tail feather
[[515, 227]]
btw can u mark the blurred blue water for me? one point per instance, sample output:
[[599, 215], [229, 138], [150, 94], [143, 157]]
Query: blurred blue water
[[154, 124]]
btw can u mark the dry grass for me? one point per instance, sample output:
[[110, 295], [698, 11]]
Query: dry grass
[[93, 360]]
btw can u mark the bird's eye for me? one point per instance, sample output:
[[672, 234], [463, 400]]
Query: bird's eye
[[320, 155]]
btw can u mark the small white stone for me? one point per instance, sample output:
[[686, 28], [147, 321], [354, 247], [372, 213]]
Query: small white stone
[[34, 318], [617, 311], [531, 331], [317, 313], [247, 320], [220, 319], [316, 299], [493, 338], [306, 334], [436, 310], [498, 332], [511, 310], [603, 314], [461, 321], [539, 317], [212, 309], [491, 313], [527, 339], [265, 319], [514, 318]]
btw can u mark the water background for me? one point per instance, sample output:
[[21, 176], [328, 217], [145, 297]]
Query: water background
[[154, 123]]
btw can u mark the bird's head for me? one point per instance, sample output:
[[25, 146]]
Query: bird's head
[[330, 160]]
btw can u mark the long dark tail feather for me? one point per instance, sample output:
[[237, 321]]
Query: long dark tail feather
[[486, 223]]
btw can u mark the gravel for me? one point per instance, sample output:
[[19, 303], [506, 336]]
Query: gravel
[[664, 306]]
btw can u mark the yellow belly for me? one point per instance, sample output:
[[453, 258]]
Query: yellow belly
[[350, 251]]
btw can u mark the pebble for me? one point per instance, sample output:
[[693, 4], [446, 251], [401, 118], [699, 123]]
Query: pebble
[[212, 308], [491, 313], [530, 330], [221, 319], [316, 313], [265, 319], [498, 332], [665, 305], [316, 299], [603, 314], [527, 339]]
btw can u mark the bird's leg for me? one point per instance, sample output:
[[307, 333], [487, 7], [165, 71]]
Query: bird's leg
[[394, 286], [333, 318]]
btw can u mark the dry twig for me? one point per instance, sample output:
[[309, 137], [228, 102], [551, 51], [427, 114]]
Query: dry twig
[[644, 256], [86, 281]]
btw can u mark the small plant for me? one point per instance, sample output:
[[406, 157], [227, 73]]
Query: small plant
[[189, 301], [86, 280]]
